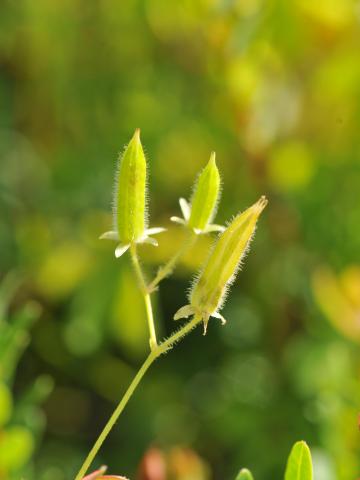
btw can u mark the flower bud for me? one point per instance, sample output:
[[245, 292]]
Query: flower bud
[[209, 291], [130, 201]]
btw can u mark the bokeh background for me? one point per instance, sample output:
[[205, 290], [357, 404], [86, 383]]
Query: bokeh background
[[274, 88]]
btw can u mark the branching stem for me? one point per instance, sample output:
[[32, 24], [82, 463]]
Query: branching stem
[[166, 269], [156, 349], [163, 347]]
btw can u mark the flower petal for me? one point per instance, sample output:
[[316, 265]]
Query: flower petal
[[178, 220], [120, 250], [219, 316], [111, 477], [95, 475], [112, 235], [150, 240], [185, 208], [154, 230], [213, 227], [98, 475]]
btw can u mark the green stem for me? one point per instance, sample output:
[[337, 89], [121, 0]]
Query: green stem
[[167, 269], [158, 350], [146, 295], [92, 454]]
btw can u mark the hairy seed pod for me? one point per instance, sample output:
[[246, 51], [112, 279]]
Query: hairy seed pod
[[130, 203], [130, 215], [224, 260], [208, 292], [205, 197]]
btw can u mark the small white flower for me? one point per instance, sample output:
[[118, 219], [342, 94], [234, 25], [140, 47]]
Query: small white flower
[[146, 238], [186, 211]]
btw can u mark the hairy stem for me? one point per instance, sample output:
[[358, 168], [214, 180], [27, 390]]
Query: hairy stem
[[146, 295], [163, 347], [166, 269]]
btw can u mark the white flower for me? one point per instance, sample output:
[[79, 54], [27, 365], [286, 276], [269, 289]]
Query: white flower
[[145, 238], [186, 211]]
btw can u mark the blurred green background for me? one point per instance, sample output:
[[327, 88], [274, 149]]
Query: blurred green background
[[273, 87]]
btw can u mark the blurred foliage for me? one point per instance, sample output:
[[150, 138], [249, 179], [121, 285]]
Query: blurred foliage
[[21, 421], [274, 87]]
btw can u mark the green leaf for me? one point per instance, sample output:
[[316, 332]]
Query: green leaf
[[244, 474], [299, 464]]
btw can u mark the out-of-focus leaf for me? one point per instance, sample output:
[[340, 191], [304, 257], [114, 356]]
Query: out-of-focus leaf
[[27, 411], [244, 474], [338, 299], [128, 321], [16, 448], [62, 270], [299, 465], [291, 166], [6, 404], [14, 338], [8, 287]]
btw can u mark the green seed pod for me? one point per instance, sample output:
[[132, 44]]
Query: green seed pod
[[209, 291], [205, 197], [244, 474], [130, 203], [130, 215]]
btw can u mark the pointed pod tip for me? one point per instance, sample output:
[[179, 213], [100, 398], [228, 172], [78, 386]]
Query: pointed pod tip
[[261, 203], [136, 136], [212, 161]]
